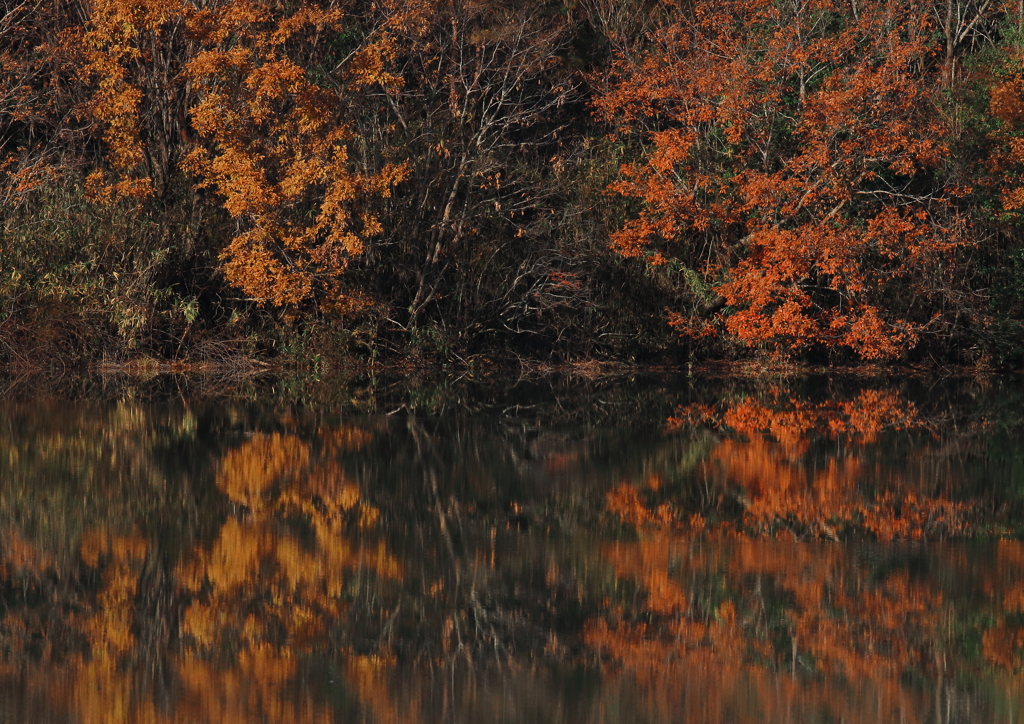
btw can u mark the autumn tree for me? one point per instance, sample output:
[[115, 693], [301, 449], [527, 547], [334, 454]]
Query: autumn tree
[[796, 175], [135, 54], [100, 223], [1007, 108], [189, 118], [789, 174], [273, 118]]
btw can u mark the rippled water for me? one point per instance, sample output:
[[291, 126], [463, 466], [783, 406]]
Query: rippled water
[[699, 550]]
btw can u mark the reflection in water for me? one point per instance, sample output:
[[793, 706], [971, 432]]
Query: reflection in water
[[786, 481], [763, 555]]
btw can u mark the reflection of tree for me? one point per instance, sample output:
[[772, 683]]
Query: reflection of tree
[[274, 585], [67, 468], [100, 691], [319, 571], [759, 630], [260, 582], [742, 612], [271, 590], [812, 468], [730, 613]]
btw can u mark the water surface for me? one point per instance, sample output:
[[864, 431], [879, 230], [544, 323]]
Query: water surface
[[624, 550]]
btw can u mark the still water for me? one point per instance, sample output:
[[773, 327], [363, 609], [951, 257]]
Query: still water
[[570, 550]]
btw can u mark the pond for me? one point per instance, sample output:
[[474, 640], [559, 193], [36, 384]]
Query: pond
[[626, 549]]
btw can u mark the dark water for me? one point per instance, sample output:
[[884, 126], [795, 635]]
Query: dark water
[[571, 550]]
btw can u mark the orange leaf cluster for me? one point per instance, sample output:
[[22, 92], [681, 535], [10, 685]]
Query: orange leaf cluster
[[276, 148], [1007, 106], [783, 144], [236, 94]]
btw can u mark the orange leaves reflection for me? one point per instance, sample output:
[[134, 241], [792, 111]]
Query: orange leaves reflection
[[1003, 644], [625, 502], [18, 555], [276, 470], [109, 628], [736, 606], [259, 576], [792, 421], [249, 471], [273, 585], [286, 601], [815, 467], [268, 589], [100, 692], [736, 614]]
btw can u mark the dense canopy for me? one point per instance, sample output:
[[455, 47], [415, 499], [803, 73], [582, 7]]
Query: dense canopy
[[442, 179]]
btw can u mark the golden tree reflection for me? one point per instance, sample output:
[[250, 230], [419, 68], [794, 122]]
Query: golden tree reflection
[[772, 463], [730, 608], [258, 577], [264, 593], [762, 560]]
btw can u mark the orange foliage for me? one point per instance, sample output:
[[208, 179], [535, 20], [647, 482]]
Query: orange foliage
[[784, 140], [233, 93], [1007, 106], [276, 144], [123, 39]]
